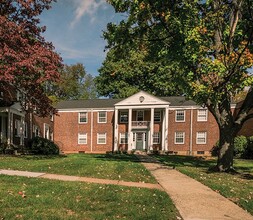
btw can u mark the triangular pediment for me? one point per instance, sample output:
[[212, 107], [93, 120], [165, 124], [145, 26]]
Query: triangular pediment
[[142, 98]]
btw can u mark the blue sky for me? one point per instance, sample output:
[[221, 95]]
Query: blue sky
[[75, 29]]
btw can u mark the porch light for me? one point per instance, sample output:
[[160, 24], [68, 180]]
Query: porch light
[[141, 98]]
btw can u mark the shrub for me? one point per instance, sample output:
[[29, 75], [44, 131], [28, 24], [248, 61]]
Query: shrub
[[3, 147], [240, 146], [249, 150], [43, 146]]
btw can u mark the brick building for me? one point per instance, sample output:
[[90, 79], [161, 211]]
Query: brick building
[[16, 126], [139, 122]]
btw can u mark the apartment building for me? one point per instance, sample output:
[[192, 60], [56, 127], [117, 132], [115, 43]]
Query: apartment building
[[140, 122]]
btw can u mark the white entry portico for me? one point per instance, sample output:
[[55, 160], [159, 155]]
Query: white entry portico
[[139, 113]]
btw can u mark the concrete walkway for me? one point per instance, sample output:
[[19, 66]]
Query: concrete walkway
[[194, 200], [81, 179]]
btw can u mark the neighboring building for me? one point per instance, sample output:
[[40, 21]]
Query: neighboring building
[[140, 122], [18, 127]]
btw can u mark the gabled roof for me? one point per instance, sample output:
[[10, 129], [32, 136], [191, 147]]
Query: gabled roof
[[87, 103], [142, 98], [179, 101], [110, 103]]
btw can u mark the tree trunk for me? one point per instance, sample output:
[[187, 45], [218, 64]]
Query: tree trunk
[[226, 149]]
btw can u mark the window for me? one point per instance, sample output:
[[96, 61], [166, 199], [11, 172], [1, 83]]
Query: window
[[156, 138], [26, 130], [202, 115], [83, 117], [180, 115], [200, 152], [36, 130], [82, 138], [101, 117], [157, 116], [123, 117], [101, 138], [140, 116], [179, 137], [17, 128], [201, 137], [46, 131], [123, 138]]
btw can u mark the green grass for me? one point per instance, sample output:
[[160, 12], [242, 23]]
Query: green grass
[[238, 187], [51, 199], [119, 167]]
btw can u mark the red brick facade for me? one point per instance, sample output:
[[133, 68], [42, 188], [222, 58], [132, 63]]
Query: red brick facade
[[197, 137]]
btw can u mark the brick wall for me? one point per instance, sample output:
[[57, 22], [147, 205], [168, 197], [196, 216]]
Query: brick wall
[[210, 127], [67, 127]]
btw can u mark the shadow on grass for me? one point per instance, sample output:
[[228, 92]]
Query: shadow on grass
[[42, 157], [180, 161], [117, 157], [247, 176]]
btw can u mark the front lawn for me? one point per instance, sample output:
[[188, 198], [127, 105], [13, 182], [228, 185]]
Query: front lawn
[[109, 166], [237, 187], [32, 198]]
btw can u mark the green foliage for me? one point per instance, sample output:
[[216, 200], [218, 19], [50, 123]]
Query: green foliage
[[75, 83], [132, 71], [240, 145], [43, 146], [204, 47], [243, 147]]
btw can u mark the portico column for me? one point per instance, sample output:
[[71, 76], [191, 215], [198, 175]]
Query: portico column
[[130, 133], [116, 130], [9, 131], [166, 128], [163, 130], [151, 129]]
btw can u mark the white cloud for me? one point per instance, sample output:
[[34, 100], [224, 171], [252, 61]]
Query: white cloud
[[73, 53], [86, 7]]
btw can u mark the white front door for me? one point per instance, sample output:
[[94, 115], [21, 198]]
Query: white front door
[[140, 140]]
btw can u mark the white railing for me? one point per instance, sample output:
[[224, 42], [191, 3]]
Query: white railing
[[140, 124]]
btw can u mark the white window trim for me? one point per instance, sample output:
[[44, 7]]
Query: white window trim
[[100, 137], [120, 117], [46, 126], [137, 114], [79, 116], [176, 136], [82, 136], [176, 116], [197, 142], [125, 136], [159, 138], [198, 115], [160, 116], [105, 117]]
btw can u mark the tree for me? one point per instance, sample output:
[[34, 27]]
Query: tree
[[126, 73], [27, 61], [75, 83], [210, 41]]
